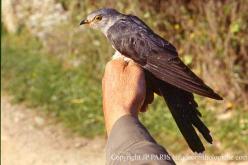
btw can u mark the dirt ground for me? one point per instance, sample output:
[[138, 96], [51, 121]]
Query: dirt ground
[[29, 137]]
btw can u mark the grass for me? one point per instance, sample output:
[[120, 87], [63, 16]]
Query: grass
[[73, 95]]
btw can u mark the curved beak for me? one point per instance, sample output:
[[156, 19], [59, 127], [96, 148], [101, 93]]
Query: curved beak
[[84, 22]]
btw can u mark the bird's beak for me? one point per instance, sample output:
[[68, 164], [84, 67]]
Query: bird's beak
[[85, 21]]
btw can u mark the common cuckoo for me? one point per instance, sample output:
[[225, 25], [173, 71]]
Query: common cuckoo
[[165, 73]]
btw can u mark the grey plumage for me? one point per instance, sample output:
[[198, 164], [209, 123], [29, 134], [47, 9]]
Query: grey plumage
[[132, 38], [166, 74]]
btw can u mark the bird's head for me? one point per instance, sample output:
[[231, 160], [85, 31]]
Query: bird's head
[[101, 19]]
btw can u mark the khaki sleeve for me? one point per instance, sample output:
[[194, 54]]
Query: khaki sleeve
[[129, 142]]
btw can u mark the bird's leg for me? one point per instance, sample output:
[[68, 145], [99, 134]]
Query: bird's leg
[[118, 55]]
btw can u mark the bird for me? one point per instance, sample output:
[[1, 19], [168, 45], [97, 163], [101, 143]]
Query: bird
[[166, 74]]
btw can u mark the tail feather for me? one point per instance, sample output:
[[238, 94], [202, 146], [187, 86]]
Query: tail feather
[[184, 110]]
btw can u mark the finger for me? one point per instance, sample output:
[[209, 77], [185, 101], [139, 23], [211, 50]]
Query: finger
[[116, 63], [144, 107], [133, 64], [115, 66], [150, 97], [120, 61], [148, 100], [134, 69]]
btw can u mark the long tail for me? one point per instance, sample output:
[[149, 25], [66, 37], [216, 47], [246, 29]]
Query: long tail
[[184, 111]]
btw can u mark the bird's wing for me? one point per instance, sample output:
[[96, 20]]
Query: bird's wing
[[175, 72], [159, 41], [137, 41]]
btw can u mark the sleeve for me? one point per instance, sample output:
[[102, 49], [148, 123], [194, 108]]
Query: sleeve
[[129, 142]]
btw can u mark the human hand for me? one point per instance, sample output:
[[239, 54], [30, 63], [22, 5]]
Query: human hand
[[124, 91]]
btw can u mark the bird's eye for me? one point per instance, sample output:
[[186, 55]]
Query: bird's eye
[[98, 18]]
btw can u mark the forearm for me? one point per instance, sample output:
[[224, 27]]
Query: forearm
[[130, 141]]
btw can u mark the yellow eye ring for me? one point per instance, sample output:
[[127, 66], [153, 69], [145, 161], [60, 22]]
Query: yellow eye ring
[[98, 18]]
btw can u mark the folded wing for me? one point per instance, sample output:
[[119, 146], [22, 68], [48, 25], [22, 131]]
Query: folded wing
[[175, 72], [134, 39]]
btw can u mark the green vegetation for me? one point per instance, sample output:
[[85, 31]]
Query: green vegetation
[[71, 94], [63, 76]]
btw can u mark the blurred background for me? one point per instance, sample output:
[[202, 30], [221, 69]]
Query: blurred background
[[50, 63]]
